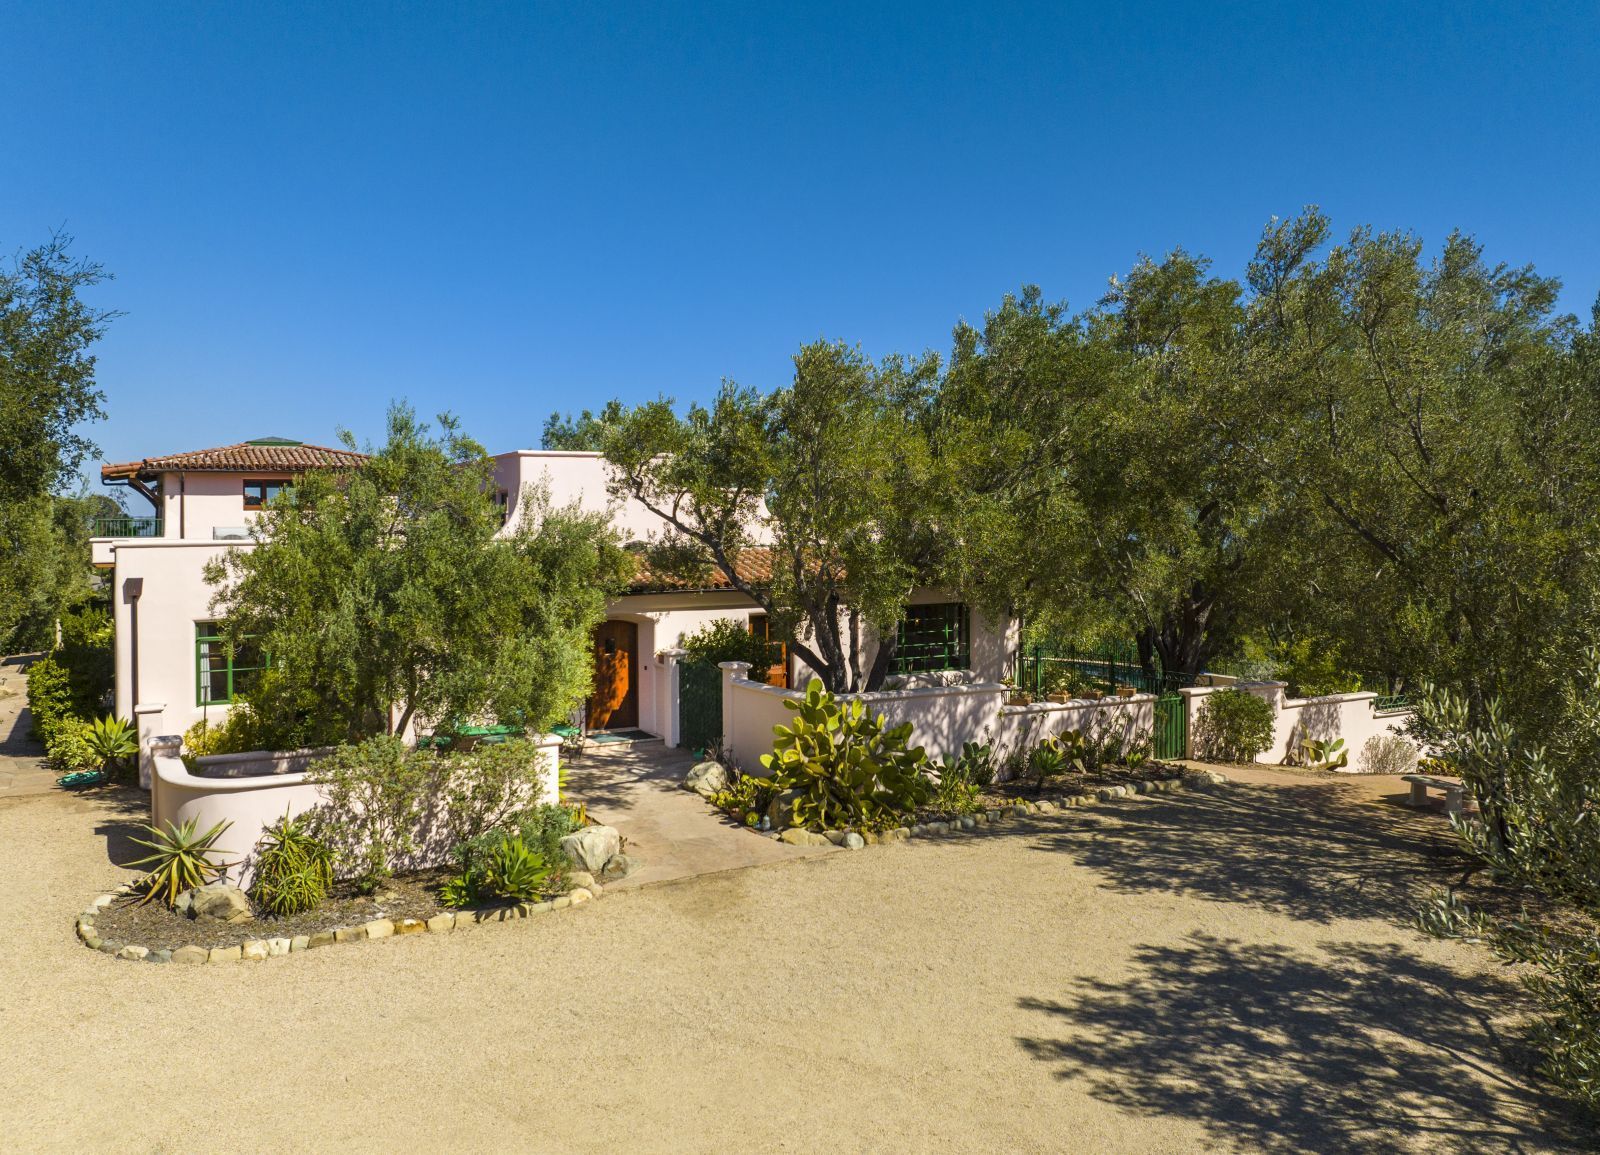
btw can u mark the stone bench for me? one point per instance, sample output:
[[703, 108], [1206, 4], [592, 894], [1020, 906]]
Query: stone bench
[[1454, 791]]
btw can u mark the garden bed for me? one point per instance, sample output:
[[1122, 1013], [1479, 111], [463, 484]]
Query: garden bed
[[159, 927]]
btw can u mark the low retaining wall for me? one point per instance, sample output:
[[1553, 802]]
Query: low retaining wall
[[252, 791]]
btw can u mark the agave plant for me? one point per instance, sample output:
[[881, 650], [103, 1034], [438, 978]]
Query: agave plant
[[509, 870], [182, 860], [112, 740]]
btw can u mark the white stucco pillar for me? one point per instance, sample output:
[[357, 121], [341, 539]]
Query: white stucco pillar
[[149, 719], [731, 672], [671, 670], [161, 746]]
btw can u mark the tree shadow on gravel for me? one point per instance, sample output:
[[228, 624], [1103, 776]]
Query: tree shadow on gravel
[[1364, 1048], [1307, 851]]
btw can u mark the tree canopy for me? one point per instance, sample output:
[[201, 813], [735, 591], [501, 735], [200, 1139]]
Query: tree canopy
[[392, 593], [48, 394]]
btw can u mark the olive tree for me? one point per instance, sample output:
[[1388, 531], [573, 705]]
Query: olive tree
[[392, 593]]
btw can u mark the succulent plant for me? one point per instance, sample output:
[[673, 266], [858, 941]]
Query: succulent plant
[[182, 860], [843, 767]]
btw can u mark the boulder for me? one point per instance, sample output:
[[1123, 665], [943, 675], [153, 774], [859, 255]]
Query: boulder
[[581, 879], [617, 866], [853, 841], [798, 836], [217, 901], [706, 778], [592, 847]]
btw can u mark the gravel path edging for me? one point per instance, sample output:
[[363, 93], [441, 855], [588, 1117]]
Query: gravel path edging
[[256, 949]]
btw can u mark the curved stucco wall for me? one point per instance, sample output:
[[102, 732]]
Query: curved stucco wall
[[252, 791]]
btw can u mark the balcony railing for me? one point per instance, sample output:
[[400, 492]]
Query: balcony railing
[[127, 527]]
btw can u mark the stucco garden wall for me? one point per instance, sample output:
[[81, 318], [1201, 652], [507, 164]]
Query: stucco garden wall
[[1348, 716], [252, 791]]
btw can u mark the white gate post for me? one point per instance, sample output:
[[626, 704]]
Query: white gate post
[[671, 670], [730, 672]]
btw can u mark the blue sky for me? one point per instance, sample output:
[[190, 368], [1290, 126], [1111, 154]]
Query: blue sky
[[508, 209]]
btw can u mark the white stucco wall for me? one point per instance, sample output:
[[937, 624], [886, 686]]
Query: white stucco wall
[[1347, 716], [174, 596], [942, 718], [194, 505]]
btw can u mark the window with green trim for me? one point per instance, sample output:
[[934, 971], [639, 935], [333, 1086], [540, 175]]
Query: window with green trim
[[223, 672], [936, 637]]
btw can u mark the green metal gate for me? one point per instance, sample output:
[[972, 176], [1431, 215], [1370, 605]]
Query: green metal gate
[[1171, 737], [699, 705]]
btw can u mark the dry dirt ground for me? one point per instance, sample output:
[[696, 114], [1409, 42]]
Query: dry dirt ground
[[1227, 971]]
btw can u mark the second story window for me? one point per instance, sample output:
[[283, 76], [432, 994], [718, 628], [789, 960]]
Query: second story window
[[257, 492], [502, 501]]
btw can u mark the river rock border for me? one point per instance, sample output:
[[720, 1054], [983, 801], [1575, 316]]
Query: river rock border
[[852, 840], [256, 949]]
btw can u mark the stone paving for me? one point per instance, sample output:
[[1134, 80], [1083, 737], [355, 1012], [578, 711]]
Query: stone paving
[[22, 768], [638, 788]]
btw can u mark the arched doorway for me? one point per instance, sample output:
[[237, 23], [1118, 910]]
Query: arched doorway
[[614, 702]]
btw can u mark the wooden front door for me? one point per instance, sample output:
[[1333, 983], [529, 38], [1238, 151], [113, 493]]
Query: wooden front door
[[778, 673], [614, 704]]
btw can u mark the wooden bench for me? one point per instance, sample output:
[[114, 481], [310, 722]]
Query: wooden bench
[[1454, 791]]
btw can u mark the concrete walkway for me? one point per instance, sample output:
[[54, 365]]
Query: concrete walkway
[[638, 788], [22, 768]]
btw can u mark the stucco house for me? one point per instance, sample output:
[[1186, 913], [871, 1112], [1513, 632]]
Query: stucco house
[[172, 670]]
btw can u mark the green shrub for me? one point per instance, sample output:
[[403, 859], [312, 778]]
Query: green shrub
[[1388, 754], [49, 696], [87, 652], [499, 868], [375, 796], [1538, 804], [240, 731], [730, 640], [183, 860], [844, 767], [293, 869], [490, 785], [69, 744], [1233, 726]]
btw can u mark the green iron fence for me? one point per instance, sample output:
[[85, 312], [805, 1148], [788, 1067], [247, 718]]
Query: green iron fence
[[1041, 669], [699, 706]]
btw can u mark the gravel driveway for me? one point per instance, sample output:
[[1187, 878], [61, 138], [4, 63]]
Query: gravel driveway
[[1228, 971]]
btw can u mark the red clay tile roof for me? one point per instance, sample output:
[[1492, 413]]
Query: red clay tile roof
[[267, 455], [753, 565]]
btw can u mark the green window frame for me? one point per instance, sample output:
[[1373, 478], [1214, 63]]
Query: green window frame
[[221, 671], [933, 637]]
